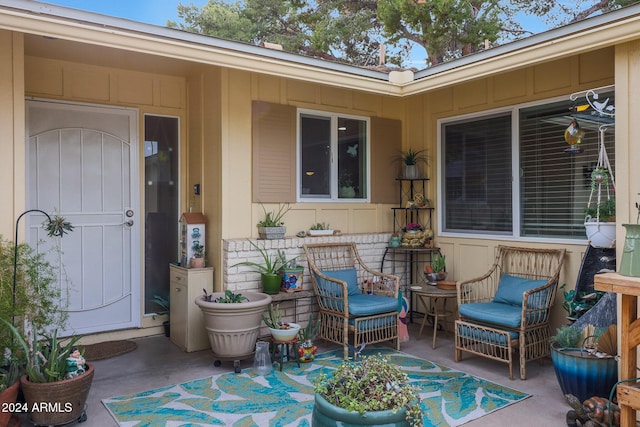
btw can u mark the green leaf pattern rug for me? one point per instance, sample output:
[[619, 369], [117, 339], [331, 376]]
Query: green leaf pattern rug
[[448, 397]]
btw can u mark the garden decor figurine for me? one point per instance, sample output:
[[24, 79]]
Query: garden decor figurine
[[593, 412], [75, 363]]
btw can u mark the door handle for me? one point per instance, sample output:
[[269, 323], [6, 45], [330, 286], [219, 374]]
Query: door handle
[[129, 223]]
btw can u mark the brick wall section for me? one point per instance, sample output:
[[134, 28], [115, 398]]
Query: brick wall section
[[371, 248]]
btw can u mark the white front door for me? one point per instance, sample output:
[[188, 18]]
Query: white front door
[[82, 163]]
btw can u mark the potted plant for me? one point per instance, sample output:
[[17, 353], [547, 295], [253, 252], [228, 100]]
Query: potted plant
[[600, 214], [291, 272], [280, 330], [9, 385], [346, 189], [269, 269], [371, 392], [435, 271], [306, 350], [165, 307], [320, 229], [55, 374], [232, 321], [272, 225], [410, 160], [585, 366], [197, 260]]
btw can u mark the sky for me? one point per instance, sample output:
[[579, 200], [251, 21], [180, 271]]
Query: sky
[[155, 12]]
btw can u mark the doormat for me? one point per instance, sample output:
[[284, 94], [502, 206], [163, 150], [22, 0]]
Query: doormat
[[448, 397], [107, 349]]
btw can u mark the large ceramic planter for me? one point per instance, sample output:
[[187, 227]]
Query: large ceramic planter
[[58, 402], [10, 395], [327, 415], [601, 234], [233, 327], [583, 375]]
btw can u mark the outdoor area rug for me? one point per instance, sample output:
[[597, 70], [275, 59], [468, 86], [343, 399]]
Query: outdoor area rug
[[448, 397]]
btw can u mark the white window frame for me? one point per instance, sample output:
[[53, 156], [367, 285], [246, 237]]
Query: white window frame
[[515, 166], [333, 117]]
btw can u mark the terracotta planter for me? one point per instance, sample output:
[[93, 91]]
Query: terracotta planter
[[233, 328], [327, 415], [58, 402], [10, 395], [197, 263]]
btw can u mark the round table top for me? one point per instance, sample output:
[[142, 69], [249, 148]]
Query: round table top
[[433, 290]]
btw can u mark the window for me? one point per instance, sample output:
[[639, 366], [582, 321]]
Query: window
[[546, 195], [333, 157]]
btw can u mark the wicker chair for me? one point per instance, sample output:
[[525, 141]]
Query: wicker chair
[[354, 300], [508, 308]]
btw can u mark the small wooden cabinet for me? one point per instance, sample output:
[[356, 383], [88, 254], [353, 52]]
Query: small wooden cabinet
[[187, 326], [628, 392]]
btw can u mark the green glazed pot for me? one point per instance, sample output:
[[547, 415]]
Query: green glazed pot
[[327, 415], [630, 263], [271, 283]]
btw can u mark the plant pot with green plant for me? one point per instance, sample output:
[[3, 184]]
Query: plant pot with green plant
[[435, 271], [57, 379], [292, 274], [165, 309], [197, 260], [600, 213], [232, 321], [272, 225], [9, 387], [269, 269], [370, 392], [307, 350], [584, 361], [410, 160], [280, 330], [320, 229]]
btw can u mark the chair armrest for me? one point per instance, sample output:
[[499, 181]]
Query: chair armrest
[[479, 289], [332, 293], [537, 303]]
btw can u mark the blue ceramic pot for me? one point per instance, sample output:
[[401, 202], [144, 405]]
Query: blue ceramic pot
[[327, 415], [583, 376]]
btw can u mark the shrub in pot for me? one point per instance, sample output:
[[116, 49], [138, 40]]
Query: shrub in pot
[[55, 374], [280, 330], [584, 371], [370, 392], [271, 226], [410, 160], [232, 322], [269, 269]]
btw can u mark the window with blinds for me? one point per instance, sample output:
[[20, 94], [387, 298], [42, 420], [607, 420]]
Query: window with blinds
[[555, 184], [481, 179], [477, 175]]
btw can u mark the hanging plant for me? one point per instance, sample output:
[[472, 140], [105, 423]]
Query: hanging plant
[[599, 176]]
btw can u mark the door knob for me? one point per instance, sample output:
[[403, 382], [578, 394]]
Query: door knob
[[129, 223]]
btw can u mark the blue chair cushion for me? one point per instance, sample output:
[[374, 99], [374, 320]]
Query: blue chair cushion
[[492, 312], [511, 289], [367, 305], [478, 334], [349, 275]]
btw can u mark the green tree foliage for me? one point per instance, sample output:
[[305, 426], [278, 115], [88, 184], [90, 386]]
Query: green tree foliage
[[353, 31]]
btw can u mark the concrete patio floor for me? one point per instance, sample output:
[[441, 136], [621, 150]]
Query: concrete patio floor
[[158, 362]]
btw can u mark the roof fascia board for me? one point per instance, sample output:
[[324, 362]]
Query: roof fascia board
[[577, 38], [195, 48]]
